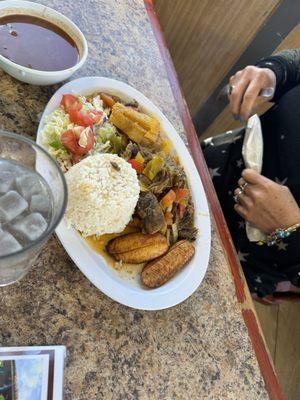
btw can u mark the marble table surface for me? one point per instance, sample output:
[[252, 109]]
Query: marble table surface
[[199, 349]]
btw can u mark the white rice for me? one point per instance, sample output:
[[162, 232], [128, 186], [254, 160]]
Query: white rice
[[101, 199]]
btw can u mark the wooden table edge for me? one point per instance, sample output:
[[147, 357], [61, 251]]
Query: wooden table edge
[[255, 333]]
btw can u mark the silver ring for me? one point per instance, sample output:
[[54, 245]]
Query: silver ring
[[237, 196], [230, 89], [243, 186]]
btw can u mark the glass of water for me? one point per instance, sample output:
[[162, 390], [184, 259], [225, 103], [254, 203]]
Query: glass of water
[[33, 197]]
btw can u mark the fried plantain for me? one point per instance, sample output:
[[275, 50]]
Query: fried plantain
[[158, 272], [136, 248]]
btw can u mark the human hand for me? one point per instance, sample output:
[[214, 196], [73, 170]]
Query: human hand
[[266, 204], [247, 85]]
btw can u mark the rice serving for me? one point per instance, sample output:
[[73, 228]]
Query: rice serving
[[103, 192]]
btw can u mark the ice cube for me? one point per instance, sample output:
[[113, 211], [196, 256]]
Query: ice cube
[[11, 205], [40, 203], [30, 227], [6, 181], [28, 185], [8, 244], [16, 169]]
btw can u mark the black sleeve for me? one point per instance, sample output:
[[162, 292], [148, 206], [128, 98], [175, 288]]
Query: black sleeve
[[286, 66], [292, 268]]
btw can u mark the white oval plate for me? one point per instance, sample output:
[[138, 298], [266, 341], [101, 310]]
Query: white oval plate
[[126, 291]]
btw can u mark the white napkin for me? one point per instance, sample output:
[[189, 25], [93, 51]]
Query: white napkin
[[253, 156]]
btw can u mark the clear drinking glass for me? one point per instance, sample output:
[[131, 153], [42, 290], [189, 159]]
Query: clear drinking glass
[[29, 156]]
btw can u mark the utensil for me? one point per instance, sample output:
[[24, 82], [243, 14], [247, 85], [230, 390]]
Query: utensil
[[32, 76], [124, 288], [22, 157]]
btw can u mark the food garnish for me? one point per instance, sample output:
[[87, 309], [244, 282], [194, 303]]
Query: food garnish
[[79, 142], [136, 165], [77, 114], [168, 199], [182, 196]]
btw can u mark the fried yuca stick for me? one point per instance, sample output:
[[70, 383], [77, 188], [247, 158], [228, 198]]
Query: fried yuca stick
[[139, 127]]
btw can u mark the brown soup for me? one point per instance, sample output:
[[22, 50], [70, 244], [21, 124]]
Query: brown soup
[[36, 43]]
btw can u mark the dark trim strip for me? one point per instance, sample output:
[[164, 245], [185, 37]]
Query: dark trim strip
[[242, 293], [267, 39]]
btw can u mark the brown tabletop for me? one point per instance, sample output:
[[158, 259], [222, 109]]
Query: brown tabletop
[[208, 347]]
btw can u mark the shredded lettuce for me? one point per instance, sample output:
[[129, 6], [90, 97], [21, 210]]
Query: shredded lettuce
[[96, 103], [61, 153], [86, 105], [56, 144], [82, 99], [56, 124], [105, 132], [109, 139]]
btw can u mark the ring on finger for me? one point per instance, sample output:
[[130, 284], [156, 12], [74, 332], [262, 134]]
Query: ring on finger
[[230, 89], [243, 186], [238, 194], [241, 181]]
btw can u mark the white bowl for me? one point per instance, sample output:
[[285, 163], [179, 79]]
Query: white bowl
[[125, 289], [33, 76]]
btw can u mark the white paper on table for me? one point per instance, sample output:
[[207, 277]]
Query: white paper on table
[[252, 152], [39, 353]]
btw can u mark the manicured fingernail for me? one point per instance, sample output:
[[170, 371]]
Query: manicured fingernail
[[236, 117], [240, 118]]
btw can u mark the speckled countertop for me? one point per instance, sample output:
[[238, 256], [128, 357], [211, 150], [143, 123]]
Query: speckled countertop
[[197, 350]]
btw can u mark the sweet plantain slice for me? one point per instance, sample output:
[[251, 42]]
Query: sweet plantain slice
[[159, 271], [136, 248]]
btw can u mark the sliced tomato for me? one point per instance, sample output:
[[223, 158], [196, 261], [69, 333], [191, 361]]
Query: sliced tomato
[[182, 195], [136, 165], [70, 102], [73, 107], [107, 100], [95, 115], [76, 158], [85, 118], [168, 199], [71, 142]]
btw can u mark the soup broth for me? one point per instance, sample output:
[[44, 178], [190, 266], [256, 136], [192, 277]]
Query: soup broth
[[36, 43]]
